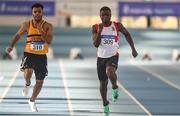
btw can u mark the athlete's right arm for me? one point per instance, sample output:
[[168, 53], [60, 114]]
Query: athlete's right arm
[[96, 35], [16, 37]]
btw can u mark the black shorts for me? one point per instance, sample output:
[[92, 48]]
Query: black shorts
[[36, 62], [102, 63]]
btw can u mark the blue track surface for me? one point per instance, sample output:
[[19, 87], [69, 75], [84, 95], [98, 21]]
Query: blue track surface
[[71, 89]]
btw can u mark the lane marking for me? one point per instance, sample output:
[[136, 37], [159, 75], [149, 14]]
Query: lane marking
[[134, 99], [159, 77], [9, 85], [1, 76], [61, 65]]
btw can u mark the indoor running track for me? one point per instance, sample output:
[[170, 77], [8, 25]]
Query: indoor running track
[[71, 89]]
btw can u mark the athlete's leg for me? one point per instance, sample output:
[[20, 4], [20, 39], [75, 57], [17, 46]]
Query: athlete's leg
[[40, 70], [111, 73], [101, 70], [27, 76], [103, 91], [27, 68], [36, 89], [111, 67]]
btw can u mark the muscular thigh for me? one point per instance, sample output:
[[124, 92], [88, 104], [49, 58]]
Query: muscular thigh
[[40, 67], [113, 62], [27, 61], [101, 69]]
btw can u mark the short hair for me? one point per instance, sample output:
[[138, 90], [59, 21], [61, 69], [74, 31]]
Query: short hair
[[105, 8], [37, 5]]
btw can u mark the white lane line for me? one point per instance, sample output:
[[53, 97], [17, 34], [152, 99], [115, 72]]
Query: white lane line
[[159, 77], [9, 86], [61, 65], [134, 99], [1, 77]]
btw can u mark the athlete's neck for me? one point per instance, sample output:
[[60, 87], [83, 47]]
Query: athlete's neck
[[36, 21], [107, 24]]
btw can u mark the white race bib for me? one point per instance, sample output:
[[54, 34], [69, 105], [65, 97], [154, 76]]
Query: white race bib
[[37, 46], [107, 40]]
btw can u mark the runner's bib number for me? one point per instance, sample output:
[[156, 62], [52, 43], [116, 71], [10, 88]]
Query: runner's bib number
[[107, 39], [37, 46]]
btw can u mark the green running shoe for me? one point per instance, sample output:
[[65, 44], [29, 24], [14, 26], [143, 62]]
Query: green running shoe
[[106, 109], [115, 94]]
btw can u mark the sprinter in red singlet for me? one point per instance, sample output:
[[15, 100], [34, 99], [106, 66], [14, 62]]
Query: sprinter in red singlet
[[105, 38]]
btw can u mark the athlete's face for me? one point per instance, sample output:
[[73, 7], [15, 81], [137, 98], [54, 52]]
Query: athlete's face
[[37, 13], [105, 16]]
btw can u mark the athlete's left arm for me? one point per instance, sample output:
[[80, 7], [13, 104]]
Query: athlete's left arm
[[128, 37], [46, 31]]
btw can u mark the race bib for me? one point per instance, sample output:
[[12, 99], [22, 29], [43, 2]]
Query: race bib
[[37, 46], [107, 39]]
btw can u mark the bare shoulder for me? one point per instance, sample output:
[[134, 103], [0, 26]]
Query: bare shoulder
[[121, 27], [25, 24], [47, 24], [119, 24]]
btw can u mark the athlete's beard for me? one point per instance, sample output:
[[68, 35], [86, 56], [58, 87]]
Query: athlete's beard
[[37, 21], [37, 18]]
